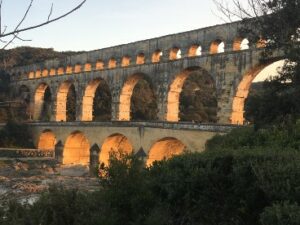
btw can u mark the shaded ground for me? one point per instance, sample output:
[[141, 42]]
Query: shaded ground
[[26, 180]]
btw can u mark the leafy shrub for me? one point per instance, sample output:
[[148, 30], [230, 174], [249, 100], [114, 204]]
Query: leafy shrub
[[15, 135]]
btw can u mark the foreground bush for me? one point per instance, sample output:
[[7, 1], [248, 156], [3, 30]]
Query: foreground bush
[[214, 188], [15, 135], [247, 138]]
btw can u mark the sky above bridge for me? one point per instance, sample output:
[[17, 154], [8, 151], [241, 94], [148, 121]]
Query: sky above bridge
[[104, 23]]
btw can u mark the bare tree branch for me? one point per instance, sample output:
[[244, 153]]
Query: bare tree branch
[[23, 18], [17, 30], [50, 13]]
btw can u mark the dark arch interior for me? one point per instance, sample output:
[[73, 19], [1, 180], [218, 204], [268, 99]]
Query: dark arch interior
[[198, 99], [71, 104], [143, 102], [102, 103], [47, 106]]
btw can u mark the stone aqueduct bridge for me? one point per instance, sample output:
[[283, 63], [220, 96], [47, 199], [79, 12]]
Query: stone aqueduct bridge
[[165, 62]]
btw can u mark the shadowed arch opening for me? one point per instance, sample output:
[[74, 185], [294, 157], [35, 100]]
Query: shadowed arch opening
[[38, 73], [137, 99], [175, 53], [217, 46], [42, 103], [165, 148], [125, 61], [96, 104], [69, 69], [66, 102], [99, 65], [76, 149], [31, 75], [116, 143], [255, 75], [45, 73], [47, 141], [156, 56], [195, 50], [192, 96], [261, 43], [60, 71], [240, 44], [140, 59], [112, 63]]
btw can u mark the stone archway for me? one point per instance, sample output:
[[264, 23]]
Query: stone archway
[[47, 141], [114, 144], [127, 92], [39, 101], [76, 149], [164, 149], [61, 100], [88, 102], [176, 88], [242, 91]]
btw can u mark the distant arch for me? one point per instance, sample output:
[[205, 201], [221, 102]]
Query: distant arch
[[242, 91], [126, 95], [88, 99], [175, 53], [112, 63], [99, 65], [114, 144], [38, 73], [125, 61], [61, 100], [156, 56], [87, 67], [76, 149], [39, 100], [140, 59], [45, 73], [175, 89], [240, 44], [217, 46], [47, 141], [195, 50], [165, 149], [77, 68]]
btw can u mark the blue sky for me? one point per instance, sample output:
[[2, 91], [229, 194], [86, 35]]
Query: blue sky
[[104, 23]]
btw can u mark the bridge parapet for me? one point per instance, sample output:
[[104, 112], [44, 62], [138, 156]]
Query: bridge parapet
[[223, 128]]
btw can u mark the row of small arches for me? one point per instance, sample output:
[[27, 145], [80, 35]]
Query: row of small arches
[[78, 150], [217, 46]]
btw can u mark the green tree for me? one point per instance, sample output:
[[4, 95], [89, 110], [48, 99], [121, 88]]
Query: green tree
[[277, 22]]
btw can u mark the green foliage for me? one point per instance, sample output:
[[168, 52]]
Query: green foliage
[[71, 104], [281, 214], [198, 101], [247, 138], [224, 187], [102, 103], [143, 102], [15, 135], [279, 100]]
